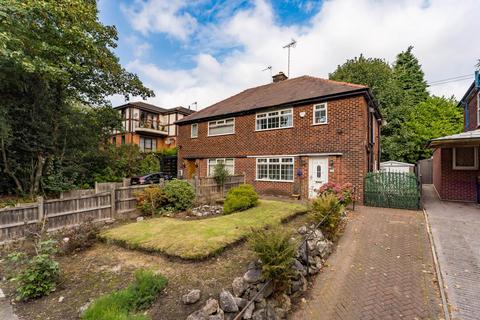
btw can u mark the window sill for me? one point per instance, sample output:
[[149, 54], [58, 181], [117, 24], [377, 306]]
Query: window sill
[[219, 135], [319, 124], [270, 180], [260, 130]]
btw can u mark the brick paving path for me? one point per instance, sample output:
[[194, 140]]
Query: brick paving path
[[456, 234], [382, 269]]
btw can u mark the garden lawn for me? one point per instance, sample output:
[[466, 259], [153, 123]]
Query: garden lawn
[[198, 239]]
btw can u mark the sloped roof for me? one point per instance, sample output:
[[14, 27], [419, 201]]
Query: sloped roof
[[153, 108], [275, 94], [144, 106], [468, 136], [393, 163]]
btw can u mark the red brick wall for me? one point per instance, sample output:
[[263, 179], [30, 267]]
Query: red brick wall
[[455, 184], [346, 132], [472, 114], [437, 169]]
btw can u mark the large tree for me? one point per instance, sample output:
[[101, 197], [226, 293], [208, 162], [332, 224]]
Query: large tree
[[55, 55], [410, 78], [375, 73], [435, 117], [411, 117]]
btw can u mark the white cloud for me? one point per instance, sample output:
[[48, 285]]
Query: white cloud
[[440, 31], [166, 16]]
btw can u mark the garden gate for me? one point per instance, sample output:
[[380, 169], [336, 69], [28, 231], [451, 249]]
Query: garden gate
[[392, 190]]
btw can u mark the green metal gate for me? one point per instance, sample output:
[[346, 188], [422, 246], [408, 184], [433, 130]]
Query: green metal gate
[[392, 190]]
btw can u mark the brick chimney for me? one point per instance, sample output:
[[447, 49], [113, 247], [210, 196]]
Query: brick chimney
[[279, 77]]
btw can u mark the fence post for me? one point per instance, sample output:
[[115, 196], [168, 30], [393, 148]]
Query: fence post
[[112, 203], [41, 211], [244, 178], [96, 187], [196, 185]]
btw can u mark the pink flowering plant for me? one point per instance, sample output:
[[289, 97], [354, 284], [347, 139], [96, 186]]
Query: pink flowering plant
[[343, 192]]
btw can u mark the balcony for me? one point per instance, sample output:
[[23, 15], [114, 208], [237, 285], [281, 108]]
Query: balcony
[[150, 127]]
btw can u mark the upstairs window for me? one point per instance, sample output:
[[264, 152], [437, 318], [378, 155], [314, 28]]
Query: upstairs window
[[221, 127], [320, 113], [194, 130], [274, 120], [465, 158]]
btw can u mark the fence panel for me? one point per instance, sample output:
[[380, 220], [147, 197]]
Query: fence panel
[[125, 200], [208, 189], [425, 171], [14, 222], [392, 190], [71, 212]]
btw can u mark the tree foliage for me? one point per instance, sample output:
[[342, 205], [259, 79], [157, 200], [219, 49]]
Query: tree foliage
[[57, 63], [411, 116]]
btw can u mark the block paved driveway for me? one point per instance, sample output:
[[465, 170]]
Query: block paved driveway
[[456, 234], [381, 269]]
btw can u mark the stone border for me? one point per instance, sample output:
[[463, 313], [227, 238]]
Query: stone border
[[441, 285], [253, 297]]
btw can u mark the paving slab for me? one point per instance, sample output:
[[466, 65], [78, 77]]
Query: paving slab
[[6, 310], [382, 269], [456, 233]]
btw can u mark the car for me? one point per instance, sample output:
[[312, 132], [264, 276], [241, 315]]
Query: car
[[150, 178]]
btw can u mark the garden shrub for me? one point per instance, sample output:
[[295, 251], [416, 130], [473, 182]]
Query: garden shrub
[[151, 200], [39, 274], [179, 194], [343, 192], [149, 164], [240, 198], [276, 251], [139, 296], [327, 210], [79, 238]]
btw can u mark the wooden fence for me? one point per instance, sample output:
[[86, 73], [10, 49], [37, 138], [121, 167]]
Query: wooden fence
[[208, 190], [107, 201], [118, 202]]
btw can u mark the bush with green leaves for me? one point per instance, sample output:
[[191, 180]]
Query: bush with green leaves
[[240, 198], [151, 200], [123, 304], [327, 210], [39, 274], [179, 194], [276, 250], [149, 164]]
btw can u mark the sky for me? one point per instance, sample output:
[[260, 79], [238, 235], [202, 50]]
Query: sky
[[204, 51]]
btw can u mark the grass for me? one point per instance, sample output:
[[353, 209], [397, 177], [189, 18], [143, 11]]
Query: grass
[[122, 304], [199, 239]]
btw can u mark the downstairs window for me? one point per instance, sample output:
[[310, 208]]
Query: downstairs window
[[465, 158]]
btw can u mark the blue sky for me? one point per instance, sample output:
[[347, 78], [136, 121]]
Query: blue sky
[[204, 51]]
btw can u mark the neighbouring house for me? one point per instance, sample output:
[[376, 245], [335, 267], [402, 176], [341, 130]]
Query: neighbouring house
[[456, 172], [397, 166], [150, 127], [288, 137]]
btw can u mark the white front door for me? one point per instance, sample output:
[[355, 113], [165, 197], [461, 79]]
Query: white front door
[[317, 174]]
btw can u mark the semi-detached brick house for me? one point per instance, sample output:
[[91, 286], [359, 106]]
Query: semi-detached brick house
[[288, 137]]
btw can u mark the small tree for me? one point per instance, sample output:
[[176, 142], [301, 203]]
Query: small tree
[[220, 174]]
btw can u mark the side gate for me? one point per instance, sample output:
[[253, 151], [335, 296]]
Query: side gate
[[392, 190]]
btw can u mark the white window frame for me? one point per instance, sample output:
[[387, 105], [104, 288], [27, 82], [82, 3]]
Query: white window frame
[[322, 105], [219, 123], [267, 116], [209, 174], [192, 135], [268, 162], [475, 154]]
